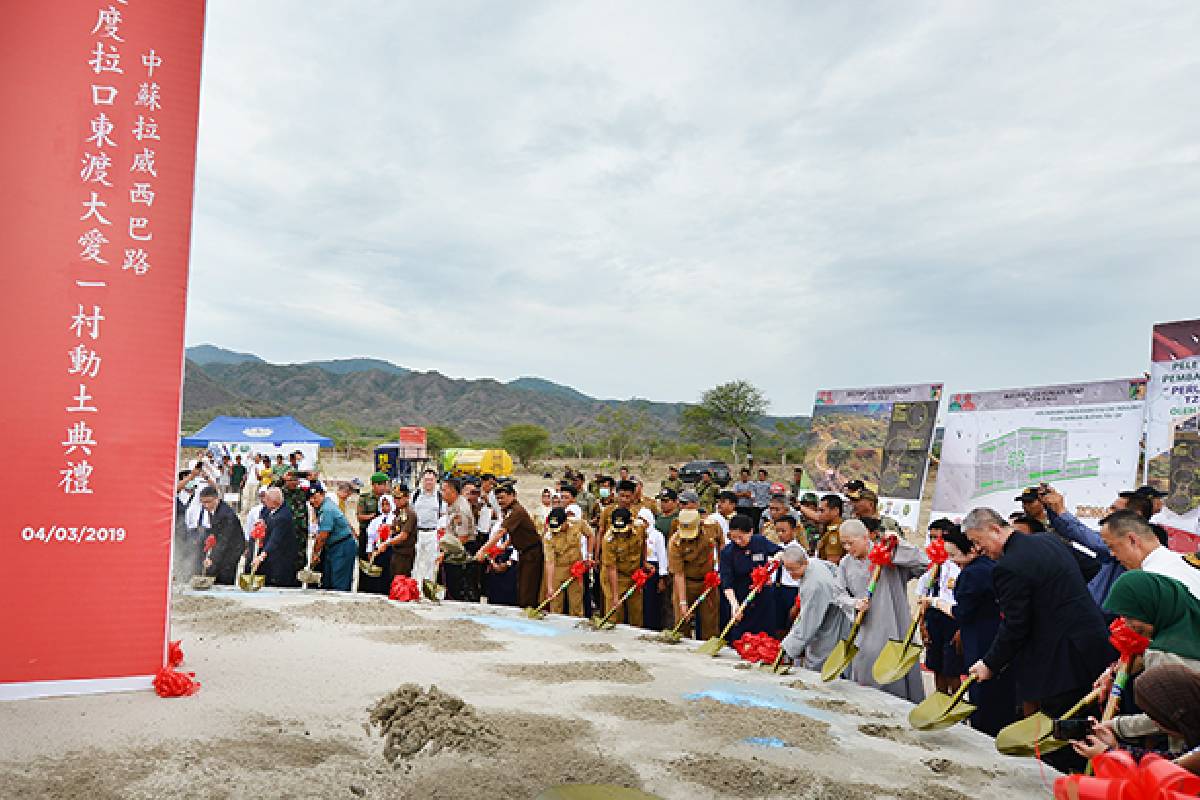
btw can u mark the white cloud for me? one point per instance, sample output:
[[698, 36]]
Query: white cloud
[[648, 199]]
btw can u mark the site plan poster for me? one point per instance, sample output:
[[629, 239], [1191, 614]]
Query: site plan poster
[[1173, 428], [98, 148], [879, 435], [1082, 438]]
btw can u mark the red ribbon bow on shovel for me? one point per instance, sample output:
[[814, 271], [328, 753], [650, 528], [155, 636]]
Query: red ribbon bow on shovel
[[1125, 640], [712, 579], [757, 647], [210, 543], [881, 555], [495, 551], [760, 577], [259, 531], [579, 569], [640, 576], [937, 552], [1119, 777]]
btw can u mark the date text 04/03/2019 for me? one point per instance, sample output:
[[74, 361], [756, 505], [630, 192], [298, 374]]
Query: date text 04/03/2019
[[77, 534]]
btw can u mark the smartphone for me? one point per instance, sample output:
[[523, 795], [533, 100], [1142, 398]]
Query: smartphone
[[1071, 730]]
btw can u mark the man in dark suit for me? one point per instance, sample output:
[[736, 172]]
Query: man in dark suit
[[1052, 634], [279, 546], [223, 523]]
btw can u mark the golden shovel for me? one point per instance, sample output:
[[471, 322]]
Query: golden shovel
[[605, 623], [941, 710], [777, 666], [250, 582], [540, 611], [675, 635], [845, 650], [716, 644], [1031, 735]]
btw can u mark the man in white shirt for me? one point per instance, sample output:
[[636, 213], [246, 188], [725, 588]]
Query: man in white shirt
[[1133, 542], [428, 506]]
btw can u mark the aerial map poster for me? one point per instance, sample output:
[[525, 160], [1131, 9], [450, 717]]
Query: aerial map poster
[[879, 435], [1173, 428], [1083, 438]]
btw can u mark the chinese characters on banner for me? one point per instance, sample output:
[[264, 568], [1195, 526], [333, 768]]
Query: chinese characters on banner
[[1173, 429], [101, 102]]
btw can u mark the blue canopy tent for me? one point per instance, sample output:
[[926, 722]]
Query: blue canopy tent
[[269, 436]]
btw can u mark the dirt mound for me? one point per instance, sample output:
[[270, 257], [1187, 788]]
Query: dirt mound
[[233, 619], [735, 777], [412, 720], [356, 612], [623, 671], [844, 707], [636, 709], [733, 723], [893, 733], [191, 604], [449, 636], [596, 647]]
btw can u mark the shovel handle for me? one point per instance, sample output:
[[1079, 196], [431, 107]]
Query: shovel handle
[[742, 606], [628, 593], [858, 619], [1094, 694], [557, 592], [1120, 681], [691, 610]]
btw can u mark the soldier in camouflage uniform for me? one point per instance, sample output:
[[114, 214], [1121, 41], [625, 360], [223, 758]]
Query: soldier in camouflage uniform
[[673, 481], [706, 490], [621, 553], [368, 501], [563, 544], [297, 501]]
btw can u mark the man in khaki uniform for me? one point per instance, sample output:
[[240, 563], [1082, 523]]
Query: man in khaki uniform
[[622, 552], [691, 555], [563, 545], [866, 506], [829, 546]]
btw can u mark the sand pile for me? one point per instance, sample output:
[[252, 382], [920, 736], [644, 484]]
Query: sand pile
[[357, 612], [725, 722], [413, 720], [844, 707], [893, 733], [448, 636], [623, 671], [596, 647], [636, 709], [736, 777], [219, 616]]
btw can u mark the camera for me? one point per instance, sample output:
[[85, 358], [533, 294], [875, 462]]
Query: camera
[[1071, 730]]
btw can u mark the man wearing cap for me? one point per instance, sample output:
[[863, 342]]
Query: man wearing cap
[[808, 516], [866, 506], [691, 553], [673, 481], [622, 551], [664, 522], [707, 490], [656, 589], [564, 541], [334, 553], [829, 546], [403, 540], [1151, 493], [522, 534], [297, 500], [368, 501]]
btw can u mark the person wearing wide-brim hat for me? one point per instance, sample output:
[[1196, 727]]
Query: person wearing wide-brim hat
[[692, 554]]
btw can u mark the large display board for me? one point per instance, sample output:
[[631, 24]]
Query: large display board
[[1173, 428], [98, 151], [1083, 438], [879, 435]]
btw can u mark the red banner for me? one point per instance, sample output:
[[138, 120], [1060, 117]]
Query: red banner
[[98, 151]]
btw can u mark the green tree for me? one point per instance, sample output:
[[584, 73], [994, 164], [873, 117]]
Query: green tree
[[623, 428], [577, 438], [726, 412], [525, 441], [439, 437], [344, 432], [788, 434]]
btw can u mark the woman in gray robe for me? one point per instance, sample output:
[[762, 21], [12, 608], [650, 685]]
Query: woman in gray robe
[[888, 616], [821, 622]]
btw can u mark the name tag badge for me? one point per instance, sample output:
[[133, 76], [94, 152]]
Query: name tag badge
[[758, 557]]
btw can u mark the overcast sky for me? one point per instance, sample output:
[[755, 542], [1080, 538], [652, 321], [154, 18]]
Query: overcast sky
[[647, 199]]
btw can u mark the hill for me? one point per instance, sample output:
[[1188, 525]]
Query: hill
[[345, 366], [211, 354]]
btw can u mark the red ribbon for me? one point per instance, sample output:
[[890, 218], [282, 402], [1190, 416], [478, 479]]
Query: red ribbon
[[1126, 641], [640, 576], [760, 576], [210, 543], [259, 531], [404, 589], [881, 555], [712, 579], [936, 551], [797, 603], [385, 532], [174, 654], [495, 551], [756, 647], [579, 569], [1119, 777], [170, 683]]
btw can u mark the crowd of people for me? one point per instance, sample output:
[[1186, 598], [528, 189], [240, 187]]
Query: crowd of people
[[1020, 604]]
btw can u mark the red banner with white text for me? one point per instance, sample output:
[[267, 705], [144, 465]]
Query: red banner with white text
[[98, 150]]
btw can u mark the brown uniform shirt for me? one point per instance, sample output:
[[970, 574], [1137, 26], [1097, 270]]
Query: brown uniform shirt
[[693, 558], [566, 546], [829, 546], [625, 551], [521, 530]]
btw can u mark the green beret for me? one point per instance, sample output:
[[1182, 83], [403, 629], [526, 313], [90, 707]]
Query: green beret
[[380, 477]]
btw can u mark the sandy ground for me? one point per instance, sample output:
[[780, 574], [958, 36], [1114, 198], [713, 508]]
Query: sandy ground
[[289, 681]]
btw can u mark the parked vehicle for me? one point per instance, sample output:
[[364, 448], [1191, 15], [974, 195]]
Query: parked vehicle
[[690, 472]]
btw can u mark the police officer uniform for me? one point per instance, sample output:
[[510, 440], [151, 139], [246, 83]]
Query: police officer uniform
[[624, 549], [829, 546], [692, 555]]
